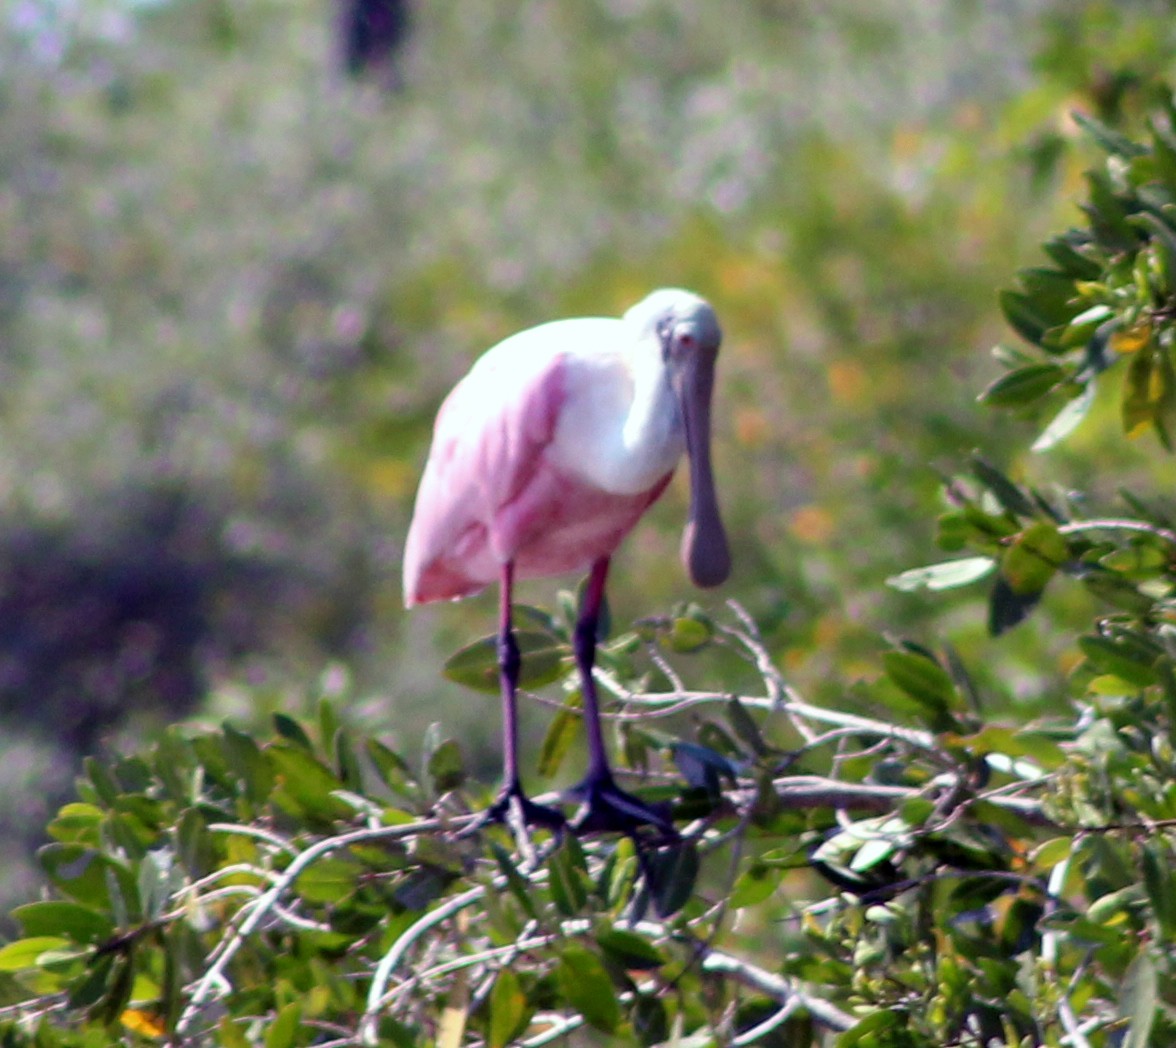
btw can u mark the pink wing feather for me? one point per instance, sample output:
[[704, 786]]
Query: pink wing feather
[[488, 444]]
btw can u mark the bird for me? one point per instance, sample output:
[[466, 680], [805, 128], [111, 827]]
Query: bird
[[543, 458]]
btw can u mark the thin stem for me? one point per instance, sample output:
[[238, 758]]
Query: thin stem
[[1113, 524]]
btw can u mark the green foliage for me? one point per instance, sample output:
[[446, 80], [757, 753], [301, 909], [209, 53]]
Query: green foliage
[[961, 842]]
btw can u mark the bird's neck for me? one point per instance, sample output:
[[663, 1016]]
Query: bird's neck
[[654, 416], [653, 426], [620, 427]]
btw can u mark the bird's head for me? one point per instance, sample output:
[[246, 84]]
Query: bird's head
[[688, 334]]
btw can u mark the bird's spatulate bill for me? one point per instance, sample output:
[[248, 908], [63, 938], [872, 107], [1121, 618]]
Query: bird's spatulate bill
[[705, 553]]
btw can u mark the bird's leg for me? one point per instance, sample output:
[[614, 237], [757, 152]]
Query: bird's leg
[[605, 805], [509, 665]]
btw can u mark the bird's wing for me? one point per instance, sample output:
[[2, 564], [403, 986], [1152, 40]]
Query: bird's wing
[[488, 445]]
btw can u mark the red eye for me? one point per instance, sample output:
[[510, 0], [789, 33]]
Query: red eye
[[686, 341]]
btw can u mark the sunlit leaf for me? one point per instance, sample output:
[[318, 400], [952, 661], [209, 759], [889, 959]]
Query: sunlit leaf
[[27, 953], [587, 988], [328, 881], [753, 886], [509, 1013], [1033, 558], [565, 728], [687, 635], [948, 574], [1138, 1000], [1067, 420], [476, 665]]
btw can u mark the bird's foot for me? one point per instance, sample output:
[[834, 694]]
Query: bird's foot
[[515, 809], [606, 808]]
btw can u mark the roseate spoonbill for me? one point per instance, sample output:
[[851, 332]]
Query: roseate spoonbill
[[544, 457]]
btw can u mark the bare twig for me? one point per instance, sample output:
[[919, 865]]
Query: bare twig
[[778, 988], [256, 912], [1115, 524]]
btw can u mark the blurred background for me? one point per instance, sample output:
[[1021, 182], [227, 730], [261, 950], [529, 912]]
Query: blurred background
[[246, 246]]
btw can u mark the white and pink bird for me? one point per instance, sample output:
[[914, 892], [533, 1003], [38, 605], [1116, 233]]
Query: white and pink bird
[[544, 457]]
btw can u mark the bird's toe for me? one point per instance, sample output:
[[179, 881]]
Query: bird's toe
[[513, 805], [606, 808]]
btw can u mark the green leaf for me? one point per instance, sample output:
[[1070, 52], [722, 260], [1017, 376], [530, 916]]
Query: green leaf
[[565, 728], [1133, 663], [753, 886], [154, 882], [948, 574], [671, 873], [79, 923], [746, 728], [346, 763], [292, 731], [1022, 317], [1065, 254], [476, 665], [515, 882], [650, 1022], [629, 950], [1022, 386], [27, 953], [586, 986], [1066, 421], [283, 1030], [392, 769], [509, 1013], [304, 785], [447, 767], [1138, 1000], [1141, 389], [1034, 557], [93, 985], [687, 635], [246, 760], [1107, 139], [924, 680], [77, 822], [872, 1031], [1049, 853], [1161, 886], [329, 880], [1012, 499], [568, 877], [82, 874]]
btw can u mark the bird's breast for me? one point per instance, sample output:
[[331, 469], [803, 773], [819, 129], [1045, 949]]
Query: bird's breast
[[616, 431]]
